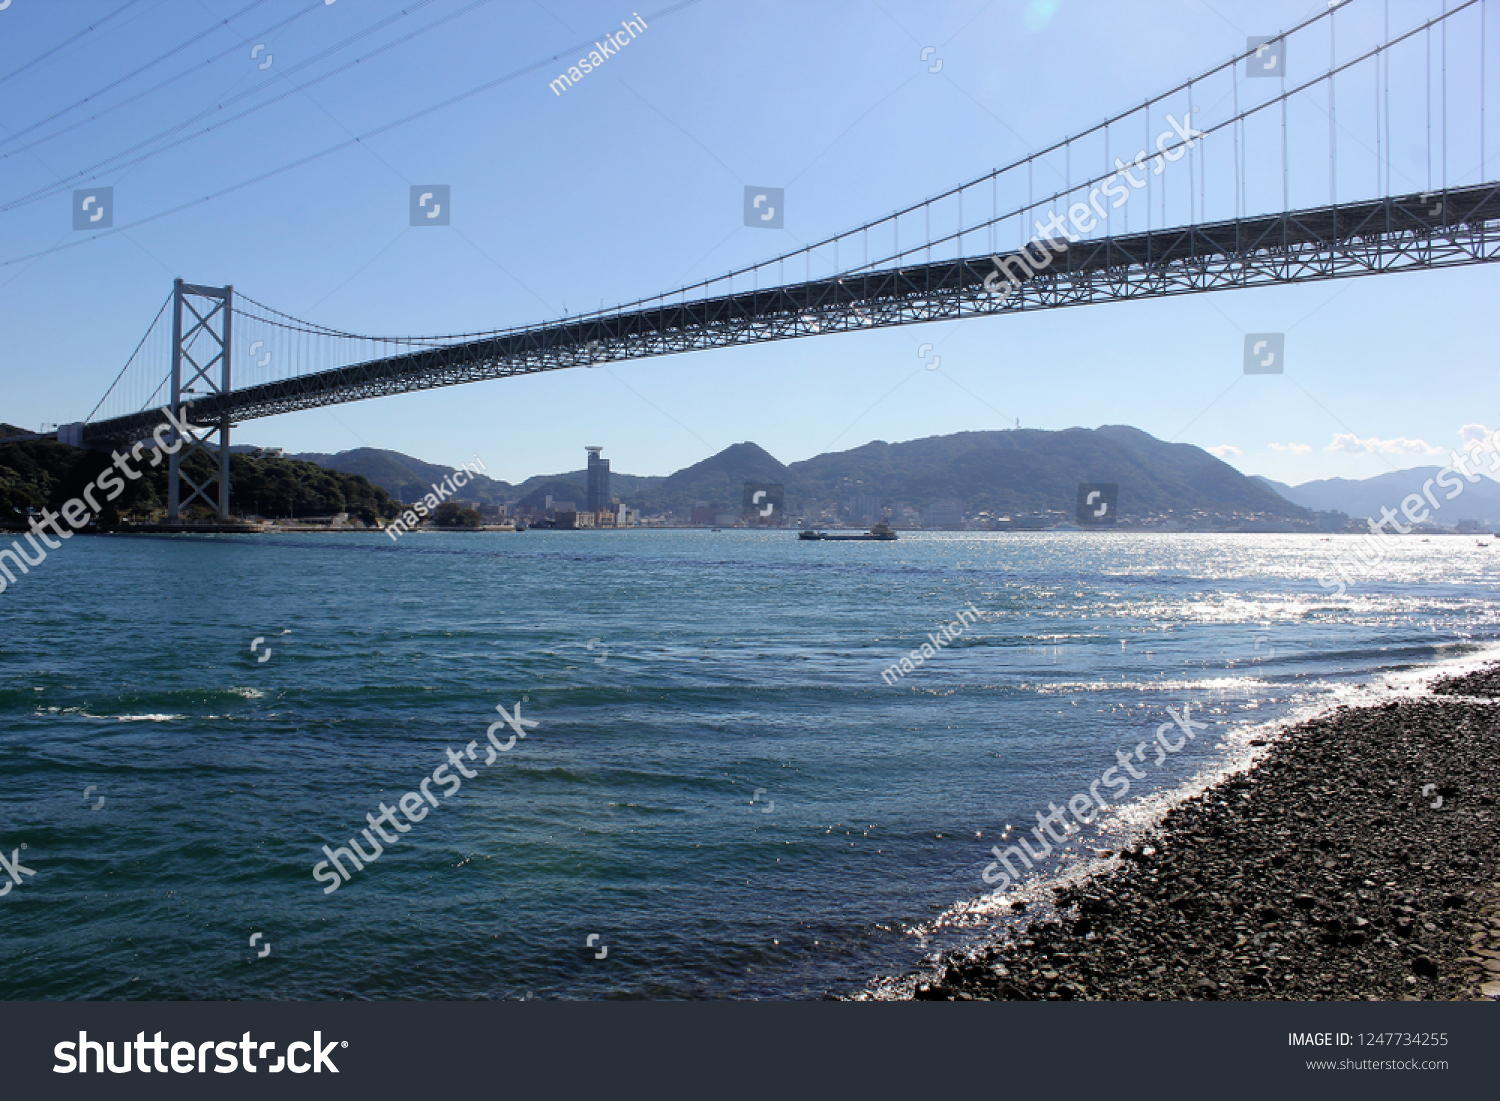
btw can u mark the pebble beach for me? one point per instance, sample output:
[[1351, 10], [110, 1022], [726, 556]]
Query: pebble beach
[[1358, 860]]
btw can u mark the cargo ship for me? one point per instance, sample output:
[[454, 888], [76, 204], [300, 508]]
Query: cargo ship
[[881, 531]]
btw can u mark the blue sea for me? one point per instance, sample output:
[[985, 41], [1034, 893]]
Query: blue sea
[[721, 796]]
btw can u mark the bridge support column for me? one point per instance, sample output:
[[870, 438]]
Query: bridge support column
[[202, 324]]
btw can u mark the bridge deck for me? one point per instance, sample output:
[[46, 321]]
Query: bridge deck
[[1403, 233]]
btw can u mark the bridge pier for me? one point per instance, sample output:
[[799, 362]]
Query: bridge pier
[[200, 340]]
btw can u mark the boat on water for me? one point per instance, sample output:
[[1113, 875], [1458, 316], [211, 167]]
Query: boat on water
[[881, 532]]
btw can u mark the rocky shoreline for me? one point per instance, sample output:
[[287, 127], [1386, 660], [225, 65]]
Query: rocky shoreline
[[1360, 859]]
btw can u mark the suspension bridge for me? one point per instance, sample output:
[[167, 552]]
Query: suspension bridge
[[1223, 176]]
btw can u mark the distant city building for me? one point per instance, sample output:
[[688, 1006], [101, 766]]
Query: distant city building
[[702, 514], [864, 509], [945, 514], [598, 491], [572, 519]]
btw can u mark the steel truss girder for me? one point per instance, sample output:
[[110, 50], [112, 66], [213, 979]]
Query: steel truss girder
[[1408, 233]]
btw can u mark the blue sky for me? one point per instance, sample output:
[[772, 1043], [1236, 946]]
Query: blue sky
[[631, 183]]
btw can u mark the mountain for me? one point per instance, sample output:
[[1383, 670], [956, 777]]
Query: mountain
[[1005, 472], [718, 480], [1029, 470], [1365, 497], [627, 487], [1280, 487], [1016, 472], [406, 478]]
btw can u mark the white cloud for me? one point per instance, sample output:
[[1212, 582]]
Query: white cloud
[[1224, 450], [1351, 444], [1293, 448], [1473, 434]]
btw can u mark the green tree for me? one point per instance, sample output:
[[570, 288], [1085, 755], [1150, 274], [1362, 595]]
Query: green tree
[[450, 515]]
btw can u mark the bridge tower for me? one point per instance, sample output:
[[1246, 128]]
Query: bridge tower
[[201, 344]]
